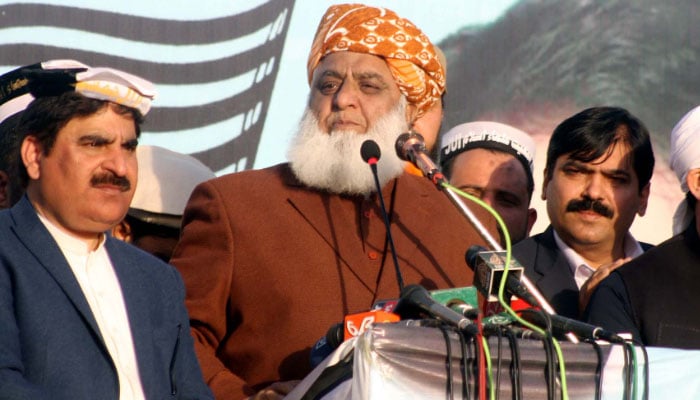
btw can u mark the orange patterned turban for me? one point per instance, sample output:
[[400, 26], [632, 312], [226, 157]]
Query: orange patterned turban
[[411, 57]]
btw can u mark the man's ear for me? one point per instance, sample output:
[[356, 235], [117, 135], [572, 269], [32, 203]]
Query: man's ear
[[531, 218], [32, 154], [693, 182], [545, 182], [644, 199], [411, 114], [122, 231]]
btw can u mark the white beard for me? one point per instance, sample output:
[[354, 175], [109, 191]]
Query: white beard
[[333, 162]]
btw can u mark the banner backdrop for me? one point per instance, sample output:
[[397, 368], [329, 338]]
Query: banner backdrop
[[232, 82]]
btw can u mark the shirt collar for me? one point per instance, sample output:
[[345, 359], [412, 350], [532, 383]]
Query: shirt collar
[[67, 241], [580, 268]]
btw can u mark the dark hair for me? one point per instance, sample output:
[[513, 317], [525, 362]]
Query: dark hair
[[691, 201], [9, 154], [46, 116], [8, 141], [593, 132]]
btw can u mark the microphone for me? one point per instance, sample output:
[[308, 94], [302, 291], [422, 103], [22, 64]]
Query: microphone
[[411, 147], [520, 286], [489, 266], [370, 154], [353, 325], [326, 345], [416, 297], [564, 325]]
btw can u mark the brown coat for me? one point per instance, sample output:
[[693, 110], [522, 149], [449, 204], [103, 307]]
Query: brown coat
[[269, 265]]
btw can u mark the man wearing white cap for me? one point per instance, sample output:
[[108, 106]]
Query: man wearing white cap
[[83, 315], [655, 296], [493, 162], [165, 181], [596, 180]]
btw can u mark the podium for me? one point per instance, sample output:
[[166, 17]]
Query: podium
[[402, 361]]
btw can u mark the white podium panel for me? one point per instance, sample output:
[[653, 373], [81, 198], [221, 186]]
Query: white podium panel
[[396, 361]]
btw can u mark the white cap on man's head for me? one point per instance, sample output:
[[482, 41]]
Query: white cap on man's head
[[685, 155], [165, 181], [19, 87], [488, 135]]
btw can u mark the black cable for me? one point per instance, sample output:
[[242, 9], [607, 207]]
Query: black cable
[[477, 362], [448, 362], [464, 365], [515, 365], [472, 366], [598, 370], [646, 372], [387, 224], [499, 353], [549, 364], [626, 393], [548, 342]]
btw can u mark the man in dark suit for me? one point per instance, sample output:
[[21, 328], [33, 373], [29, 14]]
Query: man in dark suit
[[83, 315], [596, 179], [272, 258], [654, 297]]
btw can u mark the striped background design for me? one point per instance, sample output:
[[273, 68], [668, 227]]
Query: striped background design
[[214, 63]]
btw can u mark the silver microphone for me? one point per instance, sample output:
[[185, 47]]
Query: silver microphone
[[411, 147]]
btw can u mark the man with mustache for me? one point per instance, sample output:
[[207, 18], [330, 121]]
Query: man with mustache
[[83, 315], [272, 258], [596, 179], [654, 297]]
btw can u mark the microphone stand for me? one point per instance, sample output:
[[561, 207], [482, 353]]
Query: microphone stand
[[411, 147]]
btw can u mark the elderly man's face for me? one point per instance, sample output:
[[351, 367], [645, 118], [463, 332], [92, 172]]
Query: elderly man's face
[[351, 91], [86, 182]]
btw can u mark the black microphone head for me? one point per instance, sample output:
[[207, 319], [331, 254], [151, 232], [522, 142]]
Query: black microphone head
[[335, 335], [414, 294], [411, 301], [407, 140], [369, 150], [472, 253]]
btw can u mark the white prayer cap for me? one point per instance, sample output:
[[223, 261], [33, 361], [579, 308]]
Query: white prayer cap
[[19, 87], [488, 135], [685, 156], [165, 181]]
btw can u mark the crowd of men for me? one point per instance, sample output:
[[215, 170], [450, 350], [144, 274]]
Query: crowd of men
[[263, 262]]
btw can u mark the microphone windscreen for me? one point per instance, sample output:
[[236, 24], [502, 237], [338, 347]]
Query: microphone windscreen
[[407, 140], [370, 150], [472, 254]]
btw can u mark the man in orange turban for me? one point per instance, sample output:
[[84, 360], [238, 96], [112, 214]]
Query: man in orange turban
[[409, 54], [273, 258]]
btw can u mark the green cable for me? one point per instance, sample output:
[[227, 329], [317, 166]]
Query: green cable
[[502, 285], [634, 369], [487, 356]]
